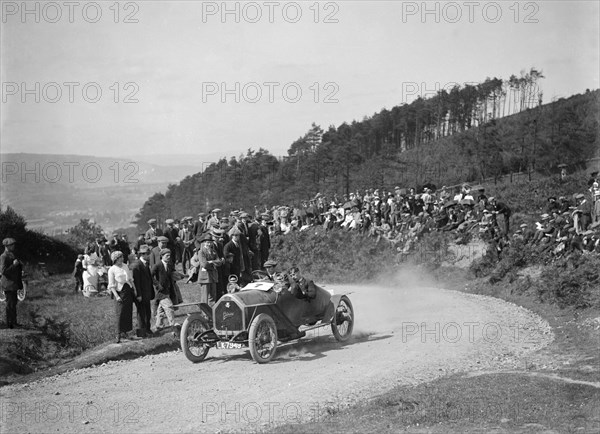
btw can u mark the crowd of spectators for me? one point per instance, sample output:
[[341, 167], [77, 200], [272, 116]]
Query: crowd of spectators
[[399, 218], [216, 246]]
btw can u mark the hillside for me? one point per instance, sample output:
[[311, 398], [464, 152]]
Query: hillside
[[377, 153]]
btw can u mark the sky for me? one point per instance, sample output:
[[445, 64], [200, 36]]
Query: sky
[[190, 77]]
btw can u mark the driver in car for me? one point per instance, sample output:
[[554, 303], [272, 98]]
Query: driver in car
[[270, 268], [300, 286]]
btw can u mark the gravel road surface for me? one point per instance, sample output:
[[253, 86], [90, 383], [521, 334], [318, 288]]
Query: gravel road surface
[[401, 336]]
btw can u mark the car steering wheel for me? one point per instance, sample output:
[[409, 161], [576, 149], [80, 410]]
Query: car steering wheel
[[260, 275]]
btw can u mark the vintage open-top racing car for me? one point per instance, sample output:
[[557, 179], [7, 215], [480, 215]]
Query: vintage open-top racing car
[[262, 314]]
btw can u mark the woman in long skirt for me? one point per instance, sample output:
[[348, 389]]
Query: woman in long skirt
[[120, 283]]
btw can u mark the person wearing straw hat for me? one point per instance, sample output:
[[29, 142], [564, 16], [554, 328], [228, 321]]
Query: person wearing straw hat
[[11, 272]]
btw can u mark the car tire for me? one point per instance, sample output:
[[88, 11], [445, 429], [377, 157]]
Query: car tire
[[193, 325], [343, 320], [262, 338]]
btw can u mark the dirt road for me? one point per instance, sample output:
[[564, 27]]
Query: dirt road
[[402, 335]]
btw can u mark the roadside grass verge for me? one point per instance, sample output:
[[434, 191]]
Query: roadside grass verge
[[59, 325], [515, 402]]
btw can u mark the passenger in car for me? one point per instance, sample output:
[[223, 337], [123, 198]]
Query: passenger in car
[[300, 286]]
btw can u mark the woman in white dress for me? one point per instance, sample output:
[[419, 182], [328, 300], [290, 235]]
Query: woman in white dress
[[120, 283]]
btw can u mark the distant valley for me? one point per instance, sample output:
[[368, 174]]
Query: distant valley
[[53, 192]]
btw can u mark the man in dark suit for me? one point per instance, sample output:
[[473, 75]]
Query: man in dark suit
[[504, 210], [234, 247], [162, 275], [199, 225], [247, 254], [253, 228], [264, 240], [102, 251], [152, 233], [142, 278], [172, 234], [11, 270], [186, 242]]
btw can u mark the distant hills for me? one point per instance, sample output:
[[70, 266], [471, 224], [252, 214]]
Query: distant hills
[[54, 191]]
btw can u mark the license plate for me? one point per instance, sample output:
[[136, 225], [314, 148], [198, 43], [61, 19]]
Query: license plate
[[229, 345]]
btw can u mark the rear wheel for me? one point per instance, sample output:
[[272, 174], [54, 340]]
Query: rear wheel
[[262, 338], [193, 326], [343, 321]]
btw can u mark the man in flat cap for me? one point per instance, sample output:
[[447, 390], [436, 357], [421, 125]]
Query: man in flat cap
[[237, 266], [264, 240], [214, 218], [142, 278], [186, 237], [162, 274], [152, 234], [11, 271], [199, 225], [155, 253], [253, 228], [270, 268], [102, 250], [172, 234]]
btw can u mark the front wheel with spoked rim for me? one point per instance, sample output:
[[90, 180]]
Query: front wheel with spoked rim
[[343, 321], [192, 327], [262, 338]]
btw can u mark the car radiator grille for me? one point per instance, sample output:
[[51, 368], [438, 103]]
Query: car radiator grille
[[228, 316]]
